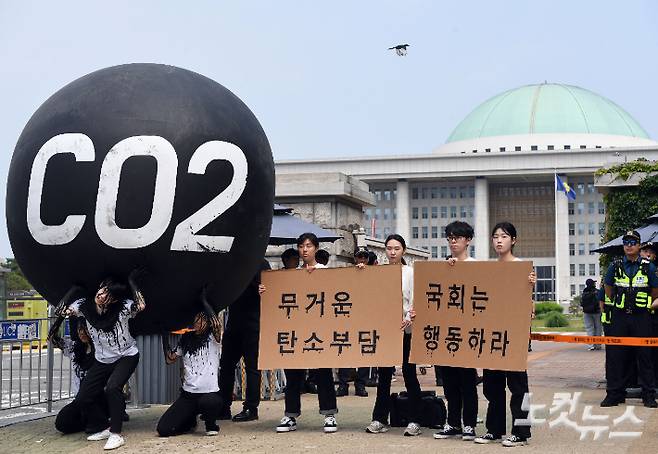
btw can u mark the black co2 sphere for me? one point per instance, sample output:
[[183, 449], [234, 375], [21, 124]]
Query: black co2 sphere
[[142, 165]]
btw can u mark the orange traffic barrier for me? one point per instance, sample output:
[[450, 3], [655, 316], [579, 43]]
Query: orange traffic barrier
[[608, 340]]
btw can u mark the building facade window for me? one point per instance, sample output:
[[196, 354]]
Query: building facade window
[[571, 210], [601, 208], [435, 232], [592, 269], [414, 232], [591, 228], [581, 269], [581, 248], [444, 212], [435, 252], [424, 232], [444, 251], [572, 269], [435, 212], [414, 213], [572, 248], [572, 228], [453, 212], [424, 212]]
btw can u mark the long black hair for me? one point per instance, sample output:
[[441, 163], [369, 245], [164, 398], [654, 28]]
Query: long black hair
[[81, 357], [119, 292]]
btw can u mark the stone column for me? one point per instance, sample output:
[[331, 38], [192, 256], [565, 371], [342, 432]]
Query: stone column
[[562, 259], [402, 209], [481, 240]]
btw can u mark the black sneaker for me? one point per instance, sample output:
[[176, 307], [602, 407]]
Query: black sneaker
[[212, 429], [448, 432], [342, 391], [487, 438], [287, 425], [361, 391], [468, 433], [649, 402], [330, 425], [247, 414], [612, 402], [514, 440]]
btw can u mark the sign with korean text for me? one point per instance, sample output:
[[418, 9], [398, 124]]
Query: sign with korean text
[[19, 330], [340, 317], [472, 314]]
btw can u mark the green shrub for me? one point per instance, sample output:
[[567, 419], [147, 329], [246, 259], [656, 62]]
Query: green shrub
[[545, 315], [556, 320], [542, 308]]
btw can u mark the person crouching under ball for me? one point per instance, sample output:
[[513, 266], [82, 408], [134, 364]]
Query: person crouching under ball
[[199, 394]]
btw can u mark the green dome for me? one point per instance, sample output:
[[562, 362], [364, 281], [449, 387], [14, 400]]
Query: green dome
[[547, 108]]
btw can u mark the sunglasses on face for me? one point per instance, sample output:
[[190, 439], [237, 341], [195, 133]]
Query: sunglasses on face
[[630, 242]]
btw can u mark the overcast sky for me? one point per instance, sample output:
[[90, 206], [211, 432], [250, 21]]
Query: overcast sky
[[320, 78]]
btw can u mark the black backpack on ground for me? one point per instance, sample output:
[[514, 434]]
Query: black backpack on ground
[[432, 413]]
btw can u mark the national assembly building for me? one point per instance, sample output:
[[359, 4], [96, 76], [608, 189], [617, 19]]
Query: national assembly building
[[499, 164]]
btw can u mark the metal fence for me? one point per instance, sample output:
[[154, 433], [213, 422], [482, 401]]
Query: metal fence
[[31, 371]]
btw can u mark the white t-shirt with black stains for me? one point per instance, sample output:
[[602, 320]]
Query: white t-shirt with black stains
[[201, 367], [110, 346]]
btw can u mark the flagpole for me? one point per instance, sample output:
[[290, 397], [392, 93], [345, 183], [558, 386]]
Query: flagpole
[[558, 296]]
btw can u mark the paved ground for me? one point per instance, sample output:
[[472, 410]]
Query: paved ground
[[554, 368]]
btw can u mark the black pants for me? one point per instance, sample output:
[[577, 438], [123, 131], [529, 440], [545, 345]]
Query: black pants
[[69, 420], [383, 402], [240, 342], [359, 381], [326, 392], [104, 382], [619, 358], [494, 390], [460, 389], [180, 417]]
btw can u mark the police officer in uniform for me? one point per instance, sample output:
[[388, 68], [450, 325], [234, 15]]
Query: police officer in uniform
[[630, 284]]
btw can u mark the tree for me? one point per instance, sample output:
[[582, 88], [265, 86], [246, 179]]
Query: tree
[[15, 278]]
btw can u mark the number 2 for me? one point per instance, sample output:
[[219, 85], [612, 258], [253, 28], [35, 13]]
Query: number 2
[[185, 237]]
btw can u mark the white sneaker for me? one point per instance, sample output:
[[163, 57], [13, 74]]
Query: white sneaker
[[98, 436], [412, 430], [212, 433], [114, 441], [330, 425], [376, 427]]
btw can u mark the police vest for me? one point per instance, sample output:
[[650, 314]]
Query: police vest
[[632, 292]]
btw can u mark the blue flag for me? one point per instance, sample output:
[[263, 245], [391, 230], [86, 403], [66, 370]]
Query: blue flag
[[564, 187]]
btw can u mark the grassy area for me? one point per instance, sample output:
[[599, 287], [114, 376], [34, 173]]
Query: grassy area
[[575, 324]]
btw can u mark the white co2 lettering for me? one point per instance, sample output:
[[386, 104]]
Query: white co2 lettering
[[185, 235]]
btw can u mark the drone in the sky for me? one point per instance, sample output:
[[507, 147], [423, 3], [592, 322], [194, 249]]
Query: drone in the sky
[[400, 49]]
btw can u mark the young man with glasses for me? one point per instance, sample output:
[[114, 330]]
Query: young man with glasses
[[459, 383], [631, 284]]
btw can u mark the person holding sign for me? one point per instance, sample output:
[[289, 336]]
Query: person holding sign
[[503, 237], [459, 383], [308, 245], [395, 248], [199, 394]]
